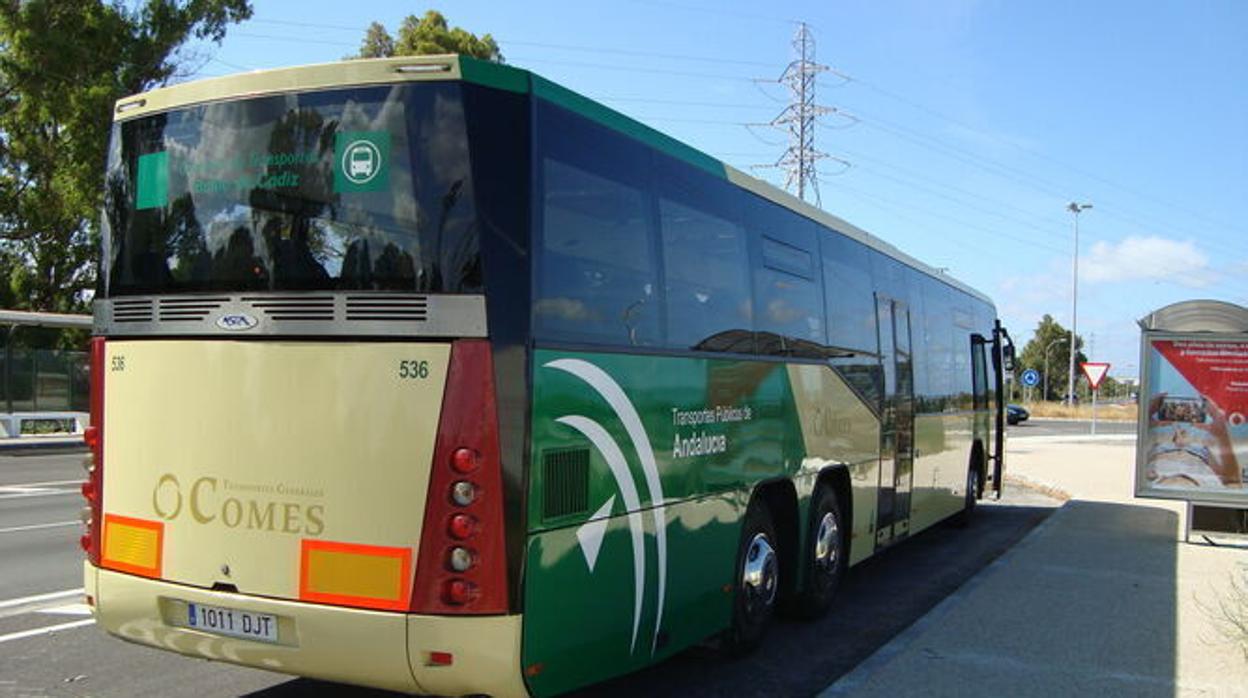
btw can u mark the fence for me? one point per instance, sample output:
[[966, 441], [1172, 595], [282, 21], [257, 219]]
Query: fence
[[44, 380]]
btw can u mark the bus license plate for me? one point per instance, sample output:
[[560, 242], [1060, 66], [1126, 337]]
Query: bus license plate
[[232, 622]]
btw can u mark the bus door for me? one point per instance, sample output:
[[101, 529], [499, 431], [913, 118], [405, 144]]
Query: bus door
[[896, 421], [1002, 363], [985, 426], [990, 397]]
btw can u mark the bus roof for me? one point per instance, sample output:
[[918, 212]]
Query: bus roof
[[450, 67]]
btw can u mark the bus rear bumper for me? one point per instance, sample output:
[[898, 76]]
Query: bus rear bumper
[[393, 651]]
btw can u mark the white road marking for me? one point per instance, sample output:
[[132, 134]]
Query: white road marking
[[50, 483], [37, 527], [69, 609], [21, 493], [9, 603], [46, 631]]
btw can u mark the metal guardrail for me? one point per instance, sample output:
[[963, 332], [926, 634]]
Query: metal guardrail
[[22, 317]]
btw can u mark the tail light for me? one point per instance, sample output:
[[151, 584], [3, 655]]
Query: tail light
[[462, 568], [93, 488]]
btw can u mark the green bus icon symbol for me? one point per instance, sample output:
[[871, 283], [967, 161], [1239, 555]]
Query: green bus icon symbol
[[361, 161]]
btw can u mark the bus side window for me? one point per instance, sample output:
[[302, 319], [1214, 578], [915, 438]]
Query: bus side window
[[979, 368], [597, 278], [788, 285], [706, 273], [848, 293]]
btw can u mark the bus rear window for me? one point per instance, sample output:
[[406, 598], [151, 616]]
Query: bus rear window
[[355, 189]]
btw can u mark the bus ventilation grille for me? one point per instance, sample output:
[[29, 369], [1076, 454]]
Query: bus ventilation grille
[[132, 310], [388, 307], [294, 307], [565, 482], [191, 308]]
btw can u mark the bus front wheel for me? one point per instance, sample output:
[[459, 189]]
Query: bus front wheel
[[757, 581]]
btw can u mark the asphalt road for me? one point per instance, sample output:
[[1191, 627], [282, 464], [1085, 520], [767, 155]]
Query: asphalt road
[[40, 557], [1068, 427]]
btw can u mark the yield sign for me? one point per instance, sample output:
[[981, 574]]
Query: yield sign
[[1095, 373]]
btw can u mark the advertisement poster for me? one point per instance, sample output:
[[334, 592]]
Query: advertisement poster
[[1194, 436]]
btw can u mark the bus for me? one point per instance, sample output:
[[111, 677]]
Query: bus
[[431, 375]]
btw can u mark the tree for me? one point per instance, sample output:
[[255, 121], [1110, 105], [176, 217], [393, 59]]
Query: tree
[[377, 42], [1055, 339], [62, 67], [428, 35]]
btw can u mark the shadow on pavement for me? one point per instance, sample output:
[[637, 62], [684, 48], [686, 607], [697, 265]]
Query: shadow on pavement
[[1086, 606], [879, 599]]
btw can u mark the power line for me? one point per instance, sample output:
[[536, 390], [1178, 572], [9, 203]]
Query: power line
[[933, 192], [635, 69], [1056, 222], [639, 54], [993, 167], [898, 210], [506, 41], [683, 103], [1030, 151], [717, 11], [847, 78]]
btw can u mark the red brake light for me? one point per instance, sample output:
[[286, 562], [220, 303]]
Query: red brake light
[[465, 498], [93, 437], [465, 460], [461, 526], [458, 592]]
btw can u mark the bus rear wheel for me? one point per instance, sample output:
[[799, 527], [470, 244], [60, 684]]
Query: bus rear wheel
[[757, 581], [825, 554]]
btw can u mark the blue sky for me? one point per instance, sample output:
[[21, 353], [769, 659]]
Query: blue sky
[[975, 123]]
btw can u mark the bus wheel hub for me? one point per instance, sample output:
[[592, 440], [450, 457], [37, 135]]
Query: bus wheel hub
[[826, 543], [760, 573]]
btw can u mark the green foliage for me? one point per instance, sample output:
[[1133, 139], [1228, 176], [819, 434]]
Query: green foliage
[[377, 42], [428, 35], [1054, 338], [62, 66]]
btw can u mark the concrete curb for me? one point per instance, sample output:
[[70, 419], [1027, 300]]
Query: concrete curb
[[1099, 418], [856, 679], [1057, 493], [1071, 438]]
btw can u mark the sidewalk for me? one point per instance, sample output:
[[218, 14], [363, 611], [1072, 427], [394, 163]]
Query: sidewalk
[[1102, 598]]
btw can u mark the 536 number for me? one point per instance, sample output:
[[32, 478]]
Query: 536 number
[[414, 369]]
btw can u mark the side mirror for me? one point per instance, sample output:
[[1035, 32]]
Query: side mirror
[[1008, 356]]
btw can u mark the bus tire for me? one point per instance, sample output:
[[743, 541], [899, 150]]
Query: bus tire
[[825, 556], [756, 581], [974, 483]]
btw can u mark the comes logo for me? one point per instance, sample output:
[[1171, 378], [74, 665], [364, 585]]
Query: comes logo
[[205, 505], [591, 533]]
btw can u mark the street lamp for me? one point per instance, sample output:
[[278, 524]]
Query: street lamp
[[1046, 364], [1076, 209]]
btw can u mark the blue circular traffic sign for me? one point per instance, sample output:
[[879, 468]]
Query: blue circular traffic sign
[[1030, 378]]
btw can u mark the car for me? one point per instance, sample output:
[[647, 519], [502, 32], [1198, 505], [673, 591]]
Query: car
[[1015, 414]]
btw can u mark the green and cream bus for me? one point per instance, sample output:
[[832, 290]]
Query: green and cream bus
[[432, 375]]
